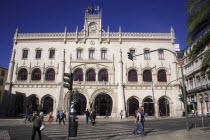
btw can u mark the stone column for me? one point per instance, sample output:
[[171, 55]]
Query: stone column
[[121, 96]]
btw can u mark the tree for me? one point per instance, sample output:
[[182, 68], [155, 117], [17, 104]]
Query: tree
[[198, 26]]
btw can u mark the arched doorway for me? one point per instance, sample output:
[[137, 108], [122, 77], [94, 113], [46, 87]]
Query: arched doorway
[[47, 105], [164, 108], [80, 106], [148, 107], [103, 103], [133, 105], [33, 103]]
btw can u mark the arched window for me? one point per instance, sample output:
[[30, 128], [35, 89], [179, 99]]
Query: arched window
[[132, 76], [103, 75], [22, 74], [91, 75], [147, 76], [50, 75], [78, 75], [36, 74], [162, 76]]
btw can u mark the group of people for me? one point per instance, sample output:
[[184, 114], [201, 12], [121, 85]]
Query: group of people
[[92, 115], [61, 116]]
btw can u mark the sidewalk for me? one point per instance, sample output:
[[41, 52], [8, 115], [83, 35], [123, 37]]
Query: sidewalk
[[194, 134]]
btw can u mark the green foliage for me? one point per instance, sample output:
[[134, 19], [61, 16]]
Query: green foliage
[[192, 4], [199, 18], [199, 46]]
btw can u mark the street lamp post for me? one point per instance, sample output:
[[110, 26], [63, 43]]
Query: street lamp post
[[153, 94], [183, 80]]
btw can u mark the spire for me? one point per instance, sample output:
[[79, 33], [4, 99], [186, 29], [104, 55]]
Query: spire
[[76, 39], [108, 29], [120, 35], [65, 34], [172, 35], [16, 35]]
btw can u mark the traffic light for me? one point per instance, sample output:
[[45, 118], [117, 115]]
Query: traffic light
[[130, 56], [68, 79]]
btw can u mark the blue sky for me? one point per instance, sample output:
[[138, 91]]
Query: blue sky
[[40, 16]]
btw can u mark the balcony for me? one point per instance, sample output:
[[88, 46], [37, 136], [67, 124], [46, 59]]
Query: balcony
[[199, 89]]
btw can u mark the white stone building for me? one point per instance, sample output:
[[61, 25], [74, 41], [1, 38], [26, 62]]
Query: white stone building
[[104, 76]]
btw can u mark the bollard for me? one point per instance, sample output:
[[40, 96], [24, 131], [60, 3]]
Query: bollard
[[202, 122]]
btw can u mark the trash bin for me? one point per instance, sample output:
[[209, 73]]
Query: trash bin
[[73, 130]]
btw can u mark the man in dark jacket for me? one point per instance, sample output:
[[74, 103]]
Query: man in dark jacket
[[87, 113], [37, 123]]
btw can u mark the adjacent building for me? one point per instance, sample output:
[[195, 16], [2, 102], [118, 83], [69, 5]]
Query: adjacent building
[[104, 76], [3, 78], [198, 82]]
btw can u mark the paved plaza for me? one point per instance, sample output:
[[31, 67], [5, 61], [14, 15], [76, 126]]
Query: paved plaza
[[159, 129]]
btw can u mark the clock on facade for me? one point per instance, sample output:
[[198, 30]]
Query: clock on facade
[[93, 27]]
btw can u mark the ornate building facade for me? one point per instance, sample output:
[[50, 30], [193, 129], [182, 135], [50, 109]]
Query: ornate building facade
[[104, 76]]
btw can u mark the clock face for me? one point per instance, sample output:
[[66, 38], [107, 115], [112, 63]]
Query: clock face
[[93, 27]]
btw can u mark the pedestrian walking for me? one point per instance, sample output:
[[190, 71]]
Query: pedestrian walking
[[61, 117], [58, 116], [139, 124], [87, 113], [74, 114], [50, 117], [142, 116], [28, 117], [106, 114], [121, 113], [37, 123], [64, 115], [93, 116], [196, 113]]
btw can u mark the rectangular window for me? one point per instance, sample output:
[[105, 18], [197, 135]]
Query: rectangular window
[[2, 73], [25, 54], [91, 54], [79, 54], [1, 81], [52, 54], [103, 54], [38, 53], [161, 54], [146, 54]]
